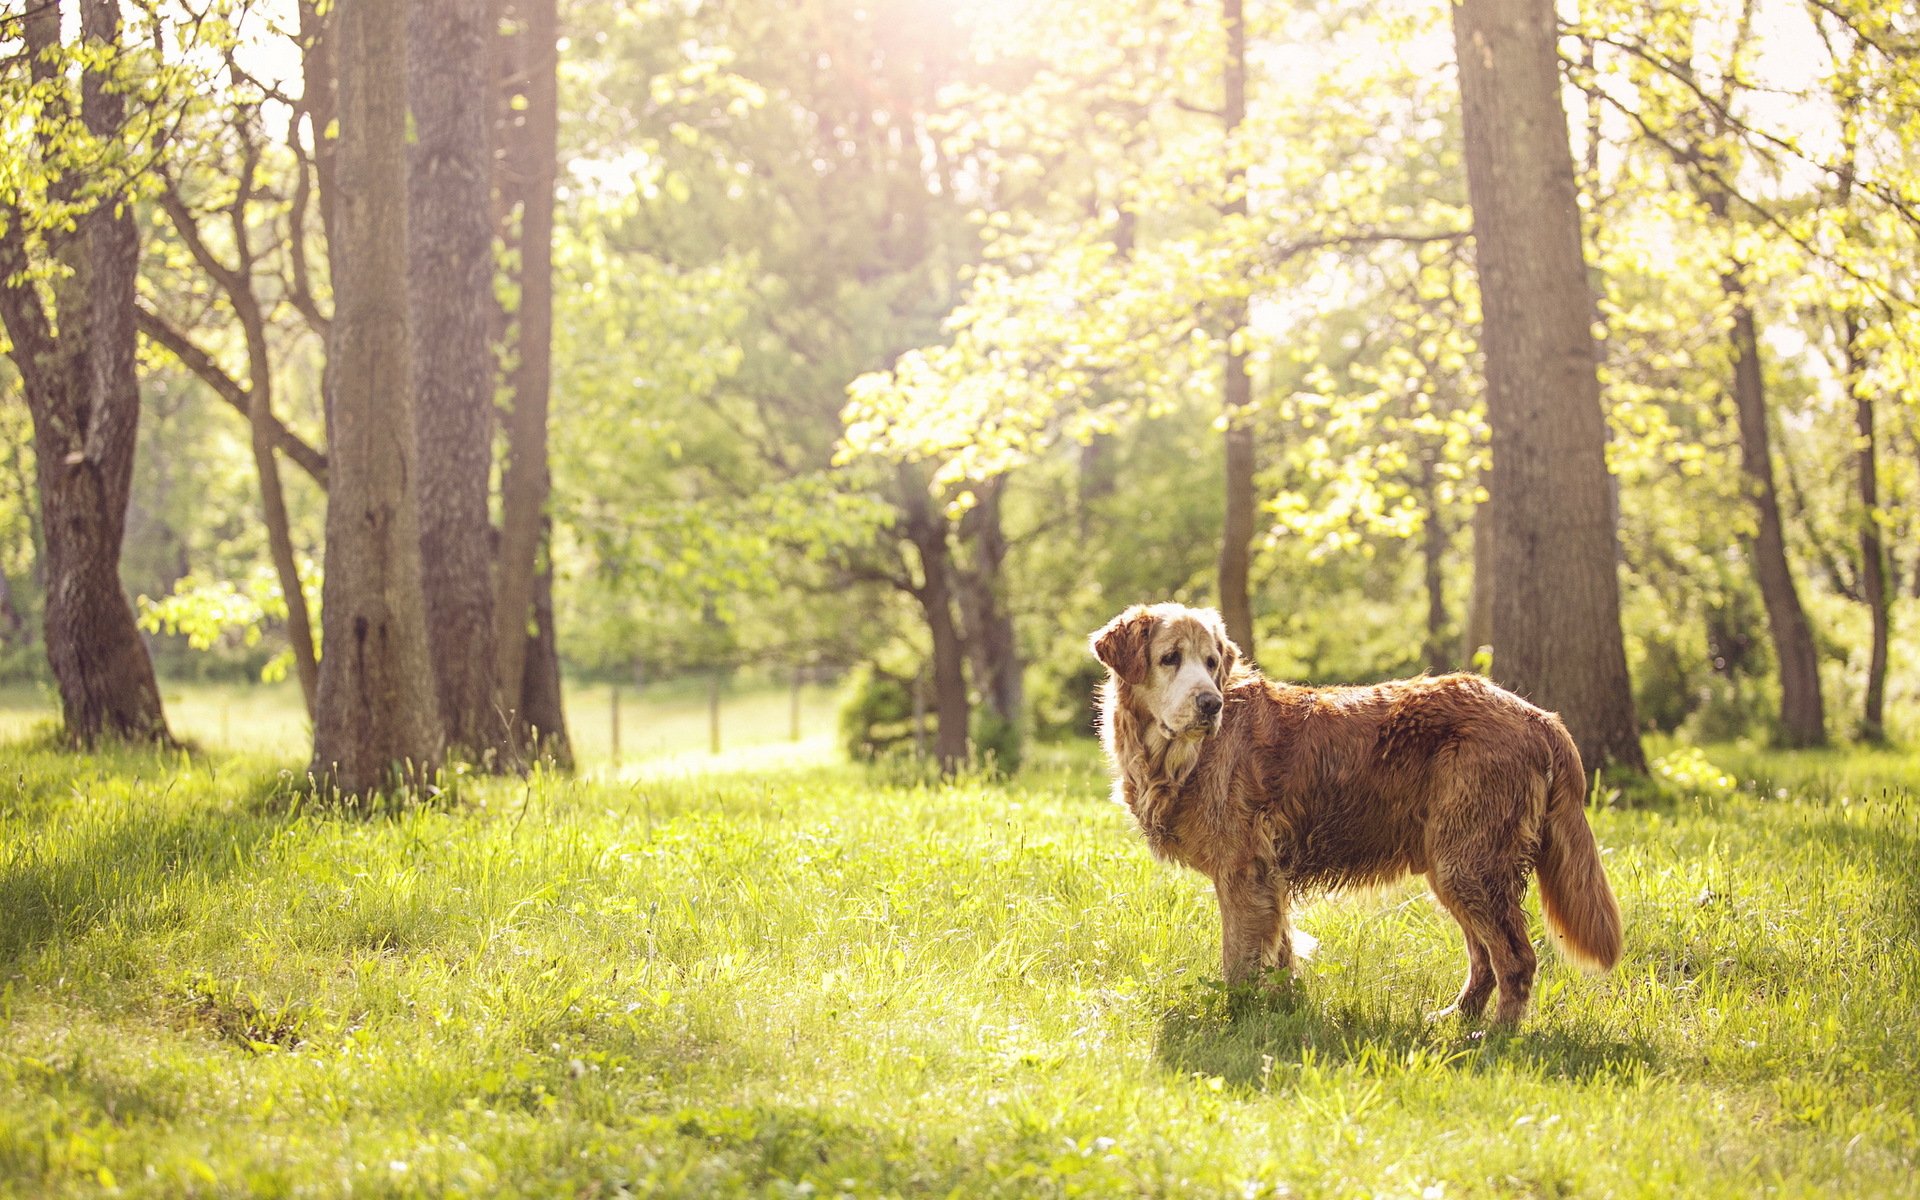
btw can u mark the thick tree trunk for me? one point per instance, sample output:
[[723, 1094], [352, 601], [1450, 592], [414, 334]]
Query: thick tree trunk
[[1557, 591], [1803, 720], [1873, 550], [525, 485], [83, 397], [376, 717], [450, 267], [992, 645], [926, 530], [1236, 537]]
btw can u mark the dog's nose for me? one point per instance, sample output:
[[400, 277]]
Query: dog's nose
[[1209, 706]]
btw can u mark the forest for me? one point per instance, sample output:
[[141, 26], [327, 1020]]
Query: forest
[[393, 390]]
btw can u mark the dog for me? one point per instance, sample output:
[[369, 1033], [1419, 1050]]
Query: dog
[[1275, 791]]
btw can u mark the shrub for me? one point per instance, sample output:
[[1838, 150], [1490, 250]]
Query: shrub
[[876, 718]]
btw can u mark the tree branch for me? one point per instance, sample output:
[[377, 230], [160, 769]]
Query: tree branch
[[201, 364]]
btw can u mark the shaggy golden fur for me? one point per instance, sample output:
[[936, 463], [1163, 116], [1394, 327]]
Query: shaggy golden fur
[[1272, 790]]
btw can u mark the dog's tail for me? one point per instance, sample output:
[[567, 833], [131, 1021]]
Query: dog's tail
[[1581, 913]]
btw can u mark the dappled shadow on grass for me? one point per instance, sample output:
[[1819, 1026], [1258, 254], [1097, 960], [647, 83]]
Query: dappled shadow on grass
[[1251, 1038], [123, 865], [1890, 851]]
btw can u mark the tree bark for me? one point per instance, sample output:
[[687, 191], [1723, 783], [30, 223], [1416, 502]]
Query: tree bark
[[319, 81], [926, 531], [1803, 720], [83, 397], [1556, 603], [376, 718], [1433, 562], [450, 314], [525, 485], [1873, 550], [543, 717], [1479, 630], [1236, 538], [992, 644]]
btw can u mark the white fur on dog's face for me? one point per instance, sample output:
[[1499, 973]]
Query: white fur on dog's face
[[1175, 662], [1183, 684]]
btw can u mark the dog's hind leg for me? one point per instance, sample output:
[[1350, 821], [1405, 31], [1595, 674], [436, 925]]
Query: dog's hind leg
[[1513, 958], [1478, 988], [1498, 949]]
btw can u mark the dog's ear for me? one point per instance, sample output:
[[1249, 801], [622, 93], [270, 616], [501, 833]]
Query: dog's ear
[[1229, 656], [1229, 653], [1122, 644]]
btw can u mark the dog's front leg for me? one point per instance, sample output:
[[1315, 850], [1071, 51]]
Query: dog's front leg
[[1253, 924]]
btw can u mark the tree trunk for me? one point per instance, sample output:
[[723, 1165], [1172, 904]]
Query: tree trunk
[[542, 732], [1873, 550], [1556, 603], [927, 531], [1479, 630], [450, 311], [992, 645], [1803, 720], [273, 507], [376, 716], [83, 397], [525, 485], [1236, 538], [1433, 561], [319, 82]]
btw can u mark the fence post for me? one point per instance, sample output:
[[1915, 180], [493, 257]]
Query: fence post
[[614, 719], [793, 731], [713, 712]]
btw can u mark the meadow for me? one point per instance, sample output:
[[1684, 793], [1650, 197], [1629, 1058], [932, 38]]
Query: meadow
[[774, 974]]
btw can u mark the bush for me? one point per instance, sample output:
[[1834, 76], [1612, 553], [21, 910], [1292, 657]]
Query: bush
[[996, 742], [876, 718]]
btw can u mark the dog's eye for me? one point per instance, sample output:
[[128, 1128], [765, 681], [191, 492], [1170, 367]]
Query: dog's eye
[[1213, 664], [1170, 659]]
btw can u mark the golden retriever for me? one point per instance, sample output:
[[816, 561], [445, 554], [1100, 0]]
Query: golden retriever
[[1272, 790]]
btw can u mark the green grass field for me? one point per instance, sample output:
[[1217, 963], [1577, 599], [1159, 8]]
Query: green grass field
[[787, 977]]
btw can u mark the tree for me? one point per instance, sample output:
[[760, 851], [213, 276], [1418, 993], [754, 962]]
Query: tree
[[76, 363], [992, 642], [376, 715], [451, 317], [209, 200], [1556, 600], [1236, 536], [528, 688], [1802, 709]]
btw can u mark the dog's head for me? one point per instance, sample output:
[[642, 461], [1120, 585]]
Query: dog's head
[[1172, 662]]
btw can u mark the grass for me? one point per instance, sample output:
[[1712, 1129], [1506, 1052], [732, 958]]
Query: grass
[[805, 979]]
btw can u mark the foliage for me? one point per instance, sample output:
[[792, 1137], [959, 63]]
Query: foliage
[[213, 613], [877, 714]]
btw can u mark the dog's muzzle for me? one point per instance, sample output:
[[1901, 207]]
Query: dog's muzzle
[[1208, 706]]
